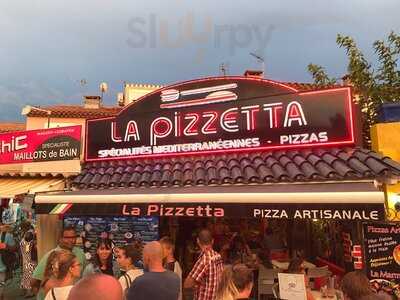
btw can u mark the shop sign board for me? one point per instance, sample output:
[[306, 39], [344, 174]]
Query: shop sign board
[[382, 251], [61, 143], [348, 212], [121, 230], [223, 114]]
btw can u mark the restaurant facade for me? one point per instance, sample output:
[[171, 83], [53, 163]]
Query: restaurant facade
[[239, 150]]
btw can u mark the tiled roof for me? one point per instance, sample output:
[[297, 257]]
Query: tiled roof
[[11, 126], [308, 165], [75, 111], [78, 111], [304, 87]]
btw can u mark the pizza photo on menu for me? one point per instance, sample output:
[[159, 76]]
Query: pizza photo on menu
[[396, 254]]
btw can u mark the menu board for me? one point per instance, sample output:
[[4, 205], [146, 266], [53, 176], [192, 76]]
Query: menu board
[[121, 230], [382, 254]]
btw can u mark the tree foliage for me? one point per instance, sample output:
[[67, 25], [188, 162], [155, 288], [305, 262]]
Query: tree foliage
[[373, 86]]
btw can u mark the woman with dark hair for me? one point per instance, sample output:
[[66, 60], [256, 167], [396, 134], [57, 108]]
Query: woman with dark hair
[[103, 260]]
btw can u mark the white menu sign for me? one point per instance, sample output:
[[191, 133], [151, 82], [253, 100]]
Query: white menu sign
[[292, 286]]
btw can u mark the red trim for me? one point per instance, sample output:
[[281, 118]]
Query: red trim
[[65, 209], [350, 141]]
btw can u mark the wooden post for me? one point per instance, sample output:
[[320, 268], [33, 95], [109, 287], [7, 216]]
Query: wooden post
[[48, 233]]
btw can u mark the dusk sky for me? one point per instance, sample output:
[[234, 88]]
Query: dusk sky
[[49, 46]]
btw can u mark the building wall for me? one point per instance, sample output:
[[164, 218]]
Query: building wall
[[393, 202], [132, 92], [385, 140]]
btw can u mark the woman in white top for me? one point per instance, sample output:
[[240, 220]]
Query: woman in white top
[[65, 270], [127, 257]]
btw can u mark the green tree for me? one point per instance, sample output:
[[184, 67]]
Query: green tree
[[373, 86]]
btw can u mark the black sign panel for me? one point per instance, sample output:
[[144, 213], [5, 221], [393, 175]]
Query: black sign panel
[[120, 229], [382, 251], [370, 212], [223, 114]]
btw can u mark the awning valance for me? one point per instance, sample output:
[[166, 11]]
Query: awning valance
[[354, 192], [11, 186], [312, 201]]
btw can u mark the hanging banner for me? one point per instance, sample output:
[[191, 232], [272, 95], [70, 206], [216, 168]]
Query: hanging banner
[[61, 143], [223, 114]]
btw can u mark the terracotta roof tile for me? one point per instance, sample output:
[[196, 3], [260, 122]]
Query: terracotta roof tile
[[75, 111], [304, 87], [11, 126], [260, 167], [79, 111]]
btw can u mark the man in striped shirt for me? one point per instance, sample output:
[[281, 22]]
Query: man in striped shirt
[[207, 271]]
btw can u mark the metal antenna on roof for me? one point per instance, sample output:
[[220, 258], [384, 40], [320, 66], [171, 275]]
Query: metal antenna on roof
[[82, 84], [261, 60], [222, 69], [103, 89]]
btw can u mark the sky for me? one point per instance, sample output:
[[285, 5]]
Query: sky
[[48, 48]]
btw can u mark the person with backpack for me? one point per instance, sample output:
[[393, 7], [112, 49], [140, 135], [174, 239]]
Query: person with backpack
[[7, 255], [127, 257]]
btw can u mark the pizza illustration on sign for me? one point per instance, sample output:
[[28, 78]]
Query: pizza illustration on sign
[[396, 254]]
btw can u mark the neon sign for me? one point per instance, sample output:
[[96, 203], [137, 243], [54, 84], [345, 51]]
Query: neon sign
[[223, 114]]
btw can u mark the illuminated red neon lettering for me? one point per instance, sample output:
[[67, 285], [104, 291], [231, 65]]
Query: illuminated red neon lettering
[[178, 125], [250, 112], [209, 126], [132, 131], [159, 128], [273, 109], [276, 115], [294, 112], [229, 120], [191, 128], [114, 135]]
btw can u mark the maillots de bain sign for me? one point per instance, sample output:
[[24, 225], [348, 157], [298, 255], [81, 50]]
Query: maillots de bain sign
[[223, 114], [62, 143]]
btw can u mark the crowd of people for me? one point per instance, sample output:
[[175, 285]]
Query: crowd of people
[[223, 269], [151, 271]]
